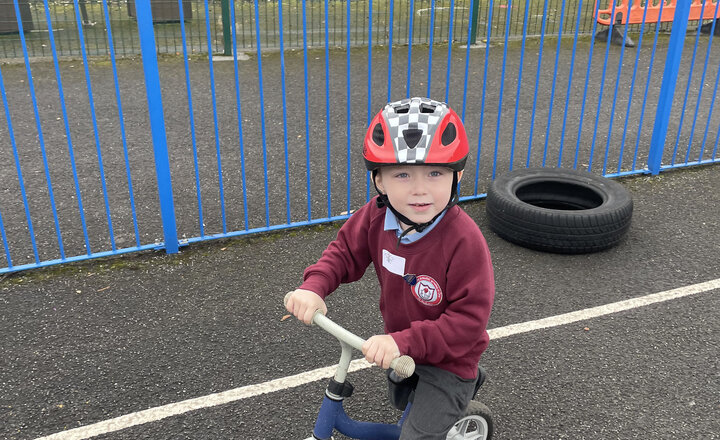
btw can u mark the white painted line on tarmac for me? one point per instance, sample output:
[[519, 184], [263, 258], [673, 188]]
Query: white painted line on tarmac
[[173, 409], [607, 309]]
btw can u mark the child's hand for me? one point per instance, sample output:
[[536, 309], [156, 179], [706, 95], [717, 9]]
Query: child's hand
[[303, 304], [380, 350]]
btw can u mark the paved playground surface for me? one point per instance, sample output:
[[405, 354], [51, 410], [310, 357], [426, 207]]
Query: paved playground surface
[[86, 343], [158, 346]]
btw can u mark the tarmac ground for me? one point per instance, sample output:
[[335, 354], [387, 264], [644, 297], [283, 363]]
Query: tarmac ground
[[88, 342]]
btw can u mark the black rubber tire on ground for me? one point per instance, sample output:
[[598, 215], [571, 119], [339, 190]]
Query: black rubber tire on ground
[[559, 210], [476, 424]]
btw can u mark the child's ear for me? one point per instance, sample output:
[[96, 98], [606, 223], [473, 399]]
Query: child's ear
[[460, 174], [378, 182]]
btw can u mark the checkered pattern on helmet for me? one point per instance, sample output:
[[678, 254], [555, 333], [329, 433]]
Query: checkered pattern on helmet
[[397, 123]]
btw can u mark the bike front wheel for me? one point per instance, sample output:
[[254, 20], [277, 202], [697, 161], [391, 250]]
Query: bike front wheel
[[476, 425]]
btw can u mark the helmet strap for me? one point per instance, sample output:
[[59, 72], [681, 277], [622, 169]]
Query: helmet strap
[[383, 200]]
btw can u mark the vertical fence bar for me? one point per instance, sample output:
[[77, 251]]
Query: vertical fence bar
[[390, 52], [391, 25], [632, 90], [440, 20], [569, 86], [357, 20], [618, 80], [335, 26], [411, 16], [307, 111], [191, 116], [91, 101], [519, 85], [482, 101], [38, 125], [537, 82], [647, 87], [157, 123], [113, 63], [714, 96], [587, 81], [608, 42], [370, 48], [213, 95], [312, 22], [238, 104], [348, 115], [467, 65], [702, 83], [430, 49], [552, 88], [267, 24], [449, 56], [262, 112], [18, 169], [284, 111], [687, 90], [121, 38], [327, 113], [5, 242], [472, 33], [226, 30], [502, 85], [667, 89], [71, 152]]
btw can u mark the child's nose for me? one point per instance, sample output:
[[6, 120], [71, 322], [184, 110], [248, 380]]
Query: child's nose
[[420, 186]]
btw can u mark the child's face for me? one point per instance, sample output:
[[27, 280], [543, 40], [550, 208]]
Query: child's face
[[419, 192]]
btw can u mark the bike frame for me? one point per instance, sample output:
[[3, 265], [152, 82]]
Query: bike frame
[[332, 415]]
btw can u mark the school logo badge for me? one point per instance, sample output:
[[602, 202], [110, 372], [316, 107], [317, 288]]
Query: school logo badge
[[427, 290]]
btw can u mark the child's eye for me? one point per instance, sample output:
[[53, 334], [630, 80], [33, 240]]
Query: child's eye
[[401, 175], [436, 173]]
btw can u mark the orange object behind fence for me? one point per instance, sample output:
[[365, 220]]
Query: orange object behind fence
[[631, 11]]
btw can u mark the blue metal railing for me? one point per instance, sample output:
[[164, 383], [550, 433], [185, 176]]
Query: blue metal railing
[[157, 125], [274, 143]]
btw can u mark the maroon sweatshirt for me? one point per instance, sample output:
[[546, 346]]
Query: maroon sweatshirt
[[436, 293]]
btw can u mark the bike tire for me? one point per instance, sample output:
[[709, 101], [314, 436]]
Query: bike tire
[[476, 424]]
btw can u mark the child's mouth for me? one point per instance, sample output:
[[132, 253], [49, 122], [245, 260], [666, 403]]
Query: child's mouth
[[420, 206]]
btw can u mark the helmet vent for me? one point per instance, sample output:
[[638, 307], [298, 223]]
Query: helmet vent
[[378, 136], [449, 134], [427, 108], [402, 109]]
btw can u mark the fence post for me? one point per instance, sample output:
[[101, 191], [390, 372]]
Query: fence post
[[667, 89], [474, 22], [157, 123], [227, 30]]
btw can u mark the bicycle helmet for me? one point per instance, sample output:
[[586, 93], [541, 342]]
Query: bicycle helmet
[[416, 131]]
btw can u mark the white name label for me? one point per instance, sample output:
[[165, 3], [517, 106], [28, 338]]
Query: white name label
[[393, 263]]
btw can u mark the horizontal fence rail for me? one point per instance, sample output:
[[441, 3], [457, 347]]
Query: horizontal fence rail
[[107, 156]]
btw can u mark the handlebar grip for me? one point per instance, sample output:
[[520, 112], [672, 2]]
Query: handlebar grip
[[404, 366], [287, 298]]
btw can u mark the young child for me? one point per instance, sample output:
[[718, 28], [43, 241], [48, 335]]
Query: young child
[[431, 259]]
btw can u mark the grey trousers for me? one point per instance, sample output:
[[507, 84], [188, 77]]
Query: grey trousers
[[440, 400]]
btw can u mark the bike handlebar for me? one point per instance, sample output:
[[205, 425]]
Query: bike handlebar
[[404, 366]]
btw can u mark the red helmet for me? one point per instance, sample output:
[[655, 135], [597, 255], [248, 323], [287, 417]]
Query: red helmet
[[416, 131]]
